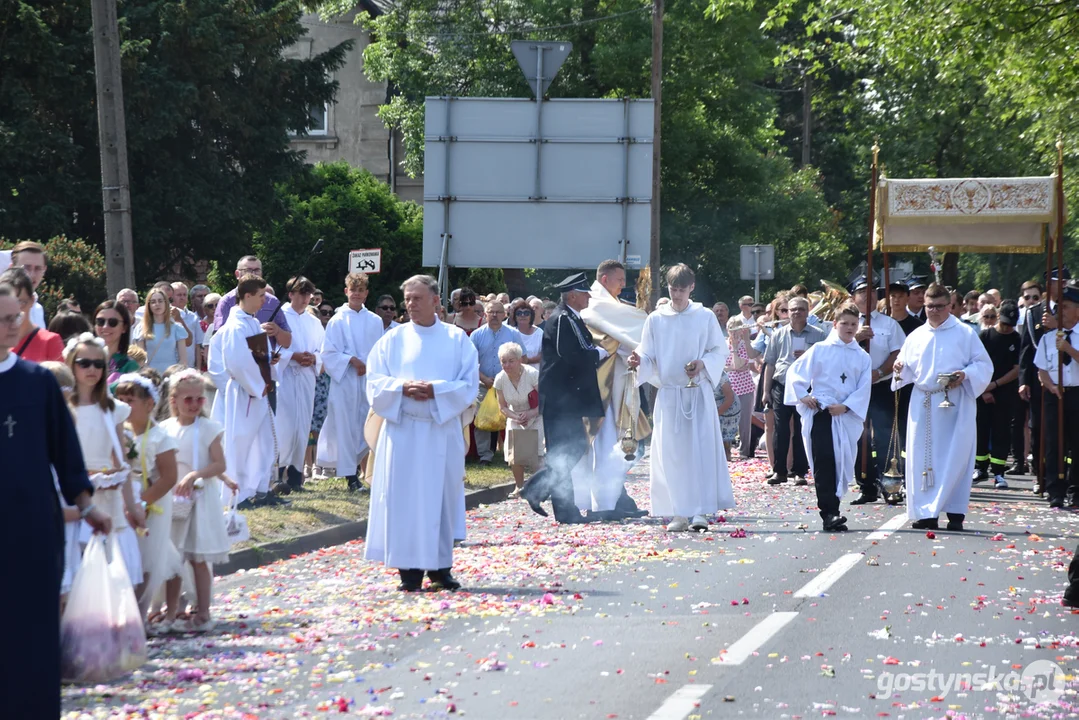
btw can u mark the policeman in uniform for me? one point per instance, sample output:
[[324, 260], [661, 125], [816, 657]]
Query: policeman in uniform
[[568, 394]]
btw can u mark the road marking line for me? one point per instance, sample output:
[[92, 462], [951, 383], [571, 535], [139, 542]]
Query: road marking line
[[681, 703], [749, 643], [826, 578], [888, 528]]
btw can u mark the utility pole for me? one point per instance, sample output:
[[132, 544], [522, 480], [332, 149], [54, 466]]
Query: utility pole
[[112, 139], [657, 92], [807, 117]]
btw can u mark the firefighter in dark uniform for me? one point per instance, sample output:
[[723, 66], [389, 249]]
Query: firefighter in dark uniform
[[1040, 319]]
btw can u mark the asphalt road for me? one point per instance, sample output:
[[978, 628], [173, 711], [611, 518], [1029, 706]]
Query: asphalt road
[[762, 616]]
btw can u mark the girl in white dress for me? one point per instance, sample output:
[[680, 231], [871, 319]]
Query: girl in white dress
[[72, 522], [200, 534], [154, 475], [99, 421]]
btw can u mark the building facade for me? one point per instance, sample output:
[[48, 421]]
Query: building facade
[[350, 129]]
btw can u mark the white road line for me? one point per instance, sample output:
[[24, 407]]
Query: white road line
[[681, 703], [827, 577], [749, 643], [888, 528]]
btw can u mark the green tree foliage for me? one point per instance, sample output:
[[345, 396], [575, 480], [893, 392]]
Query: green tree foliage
[[977, 88], [349, 209], [209, 101], [76, 269], [725, 179]]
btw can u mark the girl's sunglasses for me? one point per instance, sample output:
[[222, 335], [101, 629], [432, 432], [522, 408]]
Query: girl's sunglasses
[[102, 322], [87, 363], [210, 306]]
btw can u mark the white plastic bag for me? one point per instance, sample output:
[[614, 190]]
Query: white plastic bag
[[101, 633], [236, 524]]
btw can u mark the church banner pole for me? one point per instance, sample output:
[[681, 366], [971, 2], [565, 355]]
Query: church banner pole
[[1060, 299], [870, 284]]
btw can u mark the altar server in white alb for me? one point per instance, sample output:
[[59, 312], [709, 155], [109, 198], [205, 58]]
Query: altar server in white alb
[[350, 335], [421, 378], [297, 371], [682, 342], [249, 443], [830, 387], [941, 441]]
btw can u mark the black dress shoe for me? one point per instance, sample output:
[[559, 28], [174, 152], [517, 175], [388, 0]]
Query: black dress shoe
[[353, 483], [777, 479], [411, 580], [980, 475], [864, 499], [577, 519], [926, 524], [1070, 599], [835, 523], [280, 488], [955, 521], [1017, 469], [1056, 502], [246, 505], [443, 580]]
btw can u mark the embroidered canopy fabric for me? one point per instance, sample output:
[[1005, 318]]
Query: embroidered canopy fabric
[[965, 214]]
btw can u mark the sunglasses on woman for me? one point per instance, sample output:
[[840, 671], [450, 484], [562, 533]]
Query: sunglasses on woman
[[87, 363], [210, 306], [387, 308], [521, 313], [325, 313], [102, 322]]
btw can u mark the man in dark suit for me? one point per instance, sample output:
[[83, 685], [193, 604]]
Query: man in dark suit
[[916, 297], [1039, 319], [568, 394]]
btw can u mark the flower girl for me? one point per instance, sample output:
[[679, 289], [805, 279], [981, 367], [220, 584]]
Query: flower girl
[[198, 525], [153, 460], [99, 420]]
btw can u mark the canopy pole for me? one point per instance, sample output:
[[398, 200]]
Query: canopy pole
[[1039, 482], [870, 285], [1060, 299]]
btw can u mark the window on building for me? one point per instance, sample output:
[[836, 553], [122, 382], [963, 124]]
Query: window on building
[[319, 123]]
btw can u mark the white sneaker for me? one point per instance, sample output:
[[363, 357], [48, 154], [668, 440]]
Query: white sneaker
[[1000, 482], [678, 524], [699, 523]]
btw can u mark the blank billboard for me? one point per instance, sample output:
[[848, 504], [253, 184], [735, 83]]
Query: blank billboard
[[570, 196]]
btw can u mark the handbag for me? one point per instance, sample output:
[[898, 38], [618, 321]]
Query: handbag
[[236, 524], [525, 447], [101, 632], [489, 418], [533, 399]]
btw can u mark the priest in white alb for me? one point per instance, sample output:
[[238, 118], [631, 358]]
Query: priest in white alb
[[682, 352], [350, 335], [830, 386], [249, 440], [941, 441], [421, 378], [599, 478], [297, 371]]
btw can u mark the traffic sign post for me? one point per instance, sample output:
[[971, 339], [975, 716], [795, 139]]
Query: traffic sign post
[[758, 263], [366, 261]]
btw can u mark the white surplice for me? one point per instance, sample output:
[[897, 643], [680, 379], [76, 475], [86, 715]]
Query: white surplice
[[940, 482], [349, 334], [599, 477], [296, 387], [249, 442], [417, 488], [838, 373], [689, 465]]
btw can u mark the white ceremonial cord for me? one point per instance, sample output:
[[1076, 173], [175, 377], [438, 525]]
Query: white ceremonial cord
[[928, 479]]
